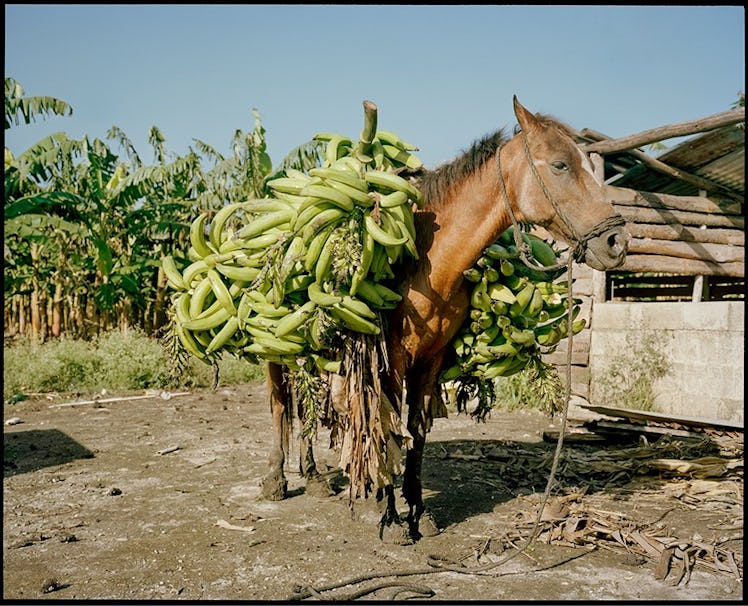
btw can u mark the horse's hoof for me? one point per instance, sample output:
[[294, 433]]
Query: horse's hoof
[[396, 534], [274, 488], [317, 486], [427, 526]]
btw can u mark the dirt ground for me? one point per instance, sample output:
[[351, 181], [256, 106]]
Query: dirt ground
[[159, 499]]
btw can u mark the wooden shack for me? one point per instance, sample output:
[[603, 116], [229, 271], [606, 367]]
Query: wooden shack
[[683, 281]]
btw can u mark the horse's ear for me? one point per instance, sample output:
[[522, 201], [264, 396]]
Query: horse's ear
[[526, 119]]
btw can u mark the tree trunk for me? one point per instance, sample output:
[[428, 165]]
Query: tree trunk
[[159, 306], [57, 310]]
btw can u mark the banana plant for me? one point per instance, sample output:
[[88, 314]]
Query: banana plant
[[20, 109]]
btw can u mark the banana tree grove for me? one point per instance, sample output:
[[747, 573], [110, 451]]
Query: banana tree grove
[[86, 228]]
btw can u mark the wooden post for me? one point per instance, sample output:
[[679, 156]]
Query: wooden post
[[599, 290], [699, 283]]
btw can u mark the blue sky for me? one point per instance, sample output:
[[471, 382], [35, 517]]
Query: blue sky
[[441, 75]]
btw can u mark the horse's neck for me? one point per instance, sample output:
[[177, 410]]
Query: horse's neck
[[471, 220]]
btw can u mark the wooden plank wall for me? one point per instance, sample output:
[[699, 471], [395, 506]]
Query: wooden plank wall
[[690, 242], [685, 235]]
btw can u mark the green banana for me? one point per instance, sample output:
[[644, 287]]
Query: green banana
[[261, 223], [390, 138], [188, 342], [324, 260], [197, 235], [358, 307], [395, 198], [193, 270], [320, 297], [280, 346], [542, 251], [215, 233], [353, 321], [259, 206], [403, 216], [234, 272], [288, 185], [472, 274], [326, 192], [365, 289], [367, 256], [298, 282], [387, 293], [497, 251], [504, 367], [314, 248], [221, 291], [315, 333], [402, 157], [380, 235], [208, 322], [182, 308], [336, 147], [327, 217], [535, 305], [173, 274], [261, 242], [451, 373], [224, 335], [358, 197], [500, 292], [235, 290], [295, 319], [525, 337], [391, 181], [524, 297], [308, 212], [325, 364], [199, 297], [480, 298], [341, 175]]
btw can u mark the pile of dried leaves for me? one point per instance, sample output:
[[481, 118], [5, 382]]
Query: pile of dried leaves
[[695, 473]]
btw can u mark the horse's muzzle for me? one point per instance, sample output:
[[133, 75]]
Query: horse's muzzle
[[607, 250]]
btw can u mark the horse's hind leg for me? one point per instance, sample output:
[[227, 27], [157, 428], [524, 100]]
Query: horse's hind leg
[[274, 484], [316, 485]]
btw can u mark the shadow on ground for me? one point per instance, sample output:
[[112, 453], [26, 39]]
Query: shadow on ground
[[34, 449]]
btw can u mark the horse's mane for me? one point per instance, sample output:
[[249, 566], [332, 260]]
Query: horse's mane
[[436, 184]]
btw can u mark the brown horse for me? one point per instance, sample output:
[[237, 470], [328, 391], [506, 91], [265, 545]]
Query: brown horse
[[539, 176]]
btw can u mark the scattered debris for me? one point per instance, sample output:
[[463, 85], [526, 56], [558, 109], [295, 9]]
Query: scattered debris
[[167, 450], [50, 585], [164, 395], [14, 421], [228, 526], [572, 522]]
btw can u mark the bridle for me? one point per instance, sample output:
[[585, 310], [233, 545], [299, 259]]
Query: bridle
[[580, 241]]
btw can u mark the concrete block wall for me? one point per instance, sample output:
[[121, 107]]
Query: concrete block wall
[[704, 344]]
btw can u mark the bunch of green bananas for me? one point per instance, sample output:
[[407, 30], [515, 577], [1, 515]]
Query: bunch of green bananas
[[516, 312], [279, 278]]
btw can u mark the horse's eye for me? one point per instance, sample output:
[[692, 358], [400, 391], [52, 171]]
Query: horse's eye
[[559, 166]]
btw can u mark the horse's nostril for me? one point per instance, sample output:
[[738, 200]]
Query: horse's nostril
[[614, 242]]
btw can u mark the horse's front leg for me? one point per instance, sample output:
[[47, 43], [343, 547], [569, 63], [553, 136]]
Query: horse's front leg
[[421, 398], [274, 484]]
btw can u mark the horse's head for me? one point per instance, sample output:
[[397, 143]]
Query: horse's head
[[552, 184]]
